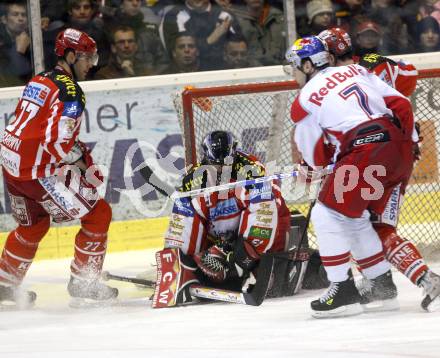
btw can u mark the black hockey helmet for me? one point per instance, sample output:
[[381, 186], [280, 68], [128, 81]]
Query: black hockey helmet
[[218, 147]]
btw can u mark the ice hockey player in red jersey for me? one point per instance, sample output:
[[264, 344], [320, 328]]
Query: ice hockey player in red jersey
[[50, 174], [371, 128], [225, 233], [399, 251]]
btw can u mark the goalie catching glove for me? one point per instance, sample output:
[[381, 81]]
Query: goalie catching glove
[[219, 266]]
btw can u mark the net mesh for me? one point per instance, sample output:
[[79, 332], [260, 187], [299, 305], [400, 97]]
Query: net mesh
[[251, 117]]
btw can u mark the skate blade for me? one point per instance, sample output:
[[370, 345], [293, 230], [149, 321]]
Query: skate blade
[[343, 311], [382, 306], [434, 305], [87, 303]]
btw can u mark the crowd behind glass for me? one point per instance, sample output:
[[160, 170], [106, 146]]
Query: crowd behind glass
[[153, 37]]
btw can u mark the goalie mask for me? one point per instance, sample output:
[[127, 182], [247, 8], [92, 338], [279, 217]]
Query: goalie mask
[[218, 147]]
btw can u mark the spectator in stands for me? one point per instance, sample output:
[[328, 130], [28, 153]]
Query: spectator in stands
[[428, 31], [81, 15], [208, 22], [123, 62], [430, 8], [262, 26], [185, 55], [346, 13], [53, 12], [409, 14], [387, 16], [150, 49], [224, 4], [320, 16], [236, 53], [367, 38], [15, 55]]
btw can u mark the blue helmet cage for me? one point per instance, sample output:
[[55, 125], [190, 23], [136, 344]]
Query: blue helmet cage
[[218, 147], [311, 48]]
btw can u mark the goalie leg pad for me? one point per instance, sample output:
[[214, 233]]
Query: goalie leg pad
[[315, 276], [288, 274], [175, 274]]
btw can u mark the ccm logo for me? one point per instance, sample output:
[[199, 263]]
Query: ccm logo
[[369, 139]]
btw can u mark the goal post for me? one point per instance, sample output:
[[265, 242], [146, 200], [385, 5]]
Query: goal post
[[258, 115]]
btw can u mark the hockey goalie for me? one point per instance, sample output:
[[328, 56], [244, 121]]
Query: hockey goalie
[[224, 239]]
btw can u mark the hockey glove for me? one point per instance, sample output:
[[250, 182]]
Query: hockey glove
[[93, 174], [243, 259], [212, 263]]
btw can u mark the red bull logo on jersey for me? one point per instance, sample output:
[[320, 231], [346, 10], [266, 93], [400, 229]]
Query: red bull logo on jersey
[[331, 82]]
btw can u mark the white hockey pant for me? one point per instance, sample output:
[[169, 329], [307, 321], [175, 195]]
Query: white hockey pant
[[341, 238]]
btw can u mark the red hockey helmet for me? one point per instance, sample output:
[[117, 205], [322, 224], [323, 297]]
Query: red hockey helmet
[[78, 41], [338, 41]]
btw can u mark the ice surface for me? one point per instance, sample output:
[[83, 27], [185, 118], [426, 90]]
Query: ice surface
[[278, 328]]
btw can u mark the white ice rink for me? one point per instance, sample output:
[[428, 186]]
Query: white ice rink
[[278, 328]]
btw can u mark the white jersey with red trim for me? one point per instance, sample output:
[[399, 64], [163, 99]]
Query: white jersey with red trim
[[259, 214], [46, 126], [336, 100]]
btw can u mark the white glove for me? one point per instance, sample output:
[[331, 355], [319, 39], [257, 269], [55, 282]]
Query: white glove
[[74, 155]]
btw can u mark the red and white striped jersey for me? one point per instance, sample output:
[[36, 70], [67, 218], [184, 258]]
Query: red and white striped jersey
[[336, 100], [400, 75], [46, 125], [258, 214]]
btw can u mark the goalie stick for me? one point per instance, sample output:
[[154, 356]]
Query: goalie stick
[[167, 190], [253, 298]]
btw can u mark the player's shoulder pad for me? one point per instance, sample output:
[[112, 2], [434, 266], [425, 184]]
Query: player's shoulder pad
[[247, 165], [69, 89], [193, 179], [371, 60]]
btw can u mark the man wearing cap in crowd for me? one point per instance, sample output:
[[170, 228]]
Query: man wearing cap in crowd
[[367, 38]]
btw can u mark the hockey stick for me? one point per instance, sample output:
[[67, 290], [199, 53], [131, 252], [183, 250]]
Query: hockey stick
[[253, 298], [195, 290], [167, 190], [106, 276], [158, 184]]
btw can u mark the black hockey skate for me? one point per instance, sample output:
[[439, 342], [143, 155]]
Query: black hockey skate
[[378, 294], [341, 299], [90, 293], [14, 297], [430, 282]]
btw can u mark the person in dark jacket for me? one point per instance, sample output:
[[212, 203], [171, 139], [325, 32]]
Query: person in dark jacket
[[15, 57], [123, 62], [185, 55], [209, 22], [262, 26]]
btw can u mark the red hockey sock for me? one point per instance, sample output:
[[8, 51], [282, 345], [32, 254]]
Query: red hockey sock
[[91, 242], [402, 253], [19, 251]]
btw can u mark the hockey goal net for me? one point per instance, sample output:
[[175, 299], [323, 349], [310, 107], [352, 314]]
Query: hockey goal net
[[258, 115]]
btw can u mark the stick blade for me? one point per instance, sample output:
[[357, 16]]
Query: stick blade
[[264, 274]]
